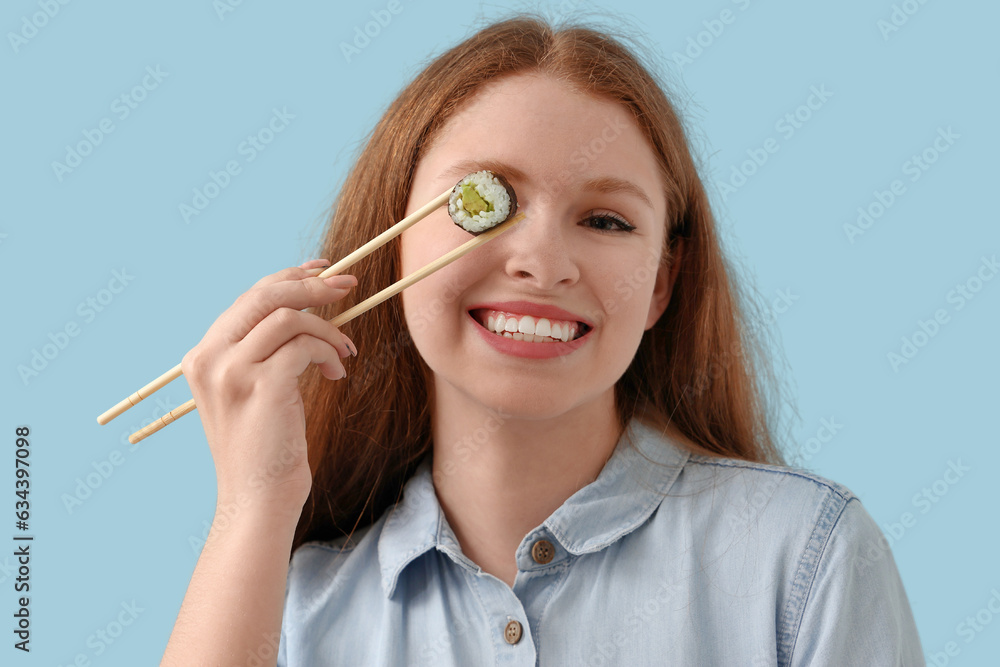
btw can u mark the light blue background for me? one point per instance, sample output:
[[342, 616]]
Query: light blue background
[[61, 241]]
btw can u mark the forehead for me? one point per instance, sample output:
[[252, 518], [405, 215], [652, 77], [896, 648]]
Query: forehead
[[549, 130]]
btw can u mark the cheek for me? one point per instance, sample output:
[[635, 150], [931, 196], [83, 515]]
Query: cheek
[[417, 320], [413, 255], [624, 290], [431, 302]]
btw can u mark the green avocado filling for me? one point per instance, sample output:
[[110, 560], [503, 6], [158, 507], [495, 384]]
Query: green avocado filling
[[472, 201]]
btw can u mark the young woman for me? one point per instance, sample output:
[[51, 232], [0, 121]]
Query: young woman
[[460, 497]]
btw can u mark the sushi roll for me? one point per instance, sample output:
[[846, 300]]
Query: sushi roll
[[481, 201]]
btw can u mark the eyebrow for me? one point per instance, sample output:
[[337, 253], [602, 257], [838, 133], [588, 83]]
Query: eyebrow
[[603, 184]]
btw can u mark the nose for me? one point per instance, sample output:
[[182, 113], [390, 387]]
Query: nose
[[538, 252]]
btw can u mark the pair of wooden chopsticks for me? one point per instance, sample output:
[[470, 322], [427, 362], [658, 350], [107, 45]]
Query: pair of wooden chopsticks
[[344, 317]]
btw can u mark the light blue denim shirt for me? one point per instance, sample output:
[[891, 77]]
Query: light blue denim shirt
[[690, 561]]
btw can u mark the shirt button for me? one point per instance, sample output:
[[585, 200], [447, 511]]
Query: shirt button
[[512, 633], [543, 551]]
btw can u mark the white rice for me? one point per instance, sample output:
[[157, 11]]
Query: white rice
[[490, 189]]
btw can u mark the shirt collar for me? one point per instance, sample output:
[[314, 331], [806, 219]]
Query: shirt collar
[[633, 482]]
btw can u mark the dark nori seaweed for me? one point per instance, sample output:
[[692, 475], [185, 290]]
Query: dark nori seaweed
[[510, 193]]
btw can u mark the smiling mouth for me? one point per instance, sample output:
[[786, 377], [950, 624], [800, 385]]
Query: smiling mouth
[[528, 328]]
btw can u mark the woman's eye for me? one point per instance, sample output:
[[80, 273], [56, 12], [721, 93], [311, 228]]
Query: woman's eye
[[608, 222]]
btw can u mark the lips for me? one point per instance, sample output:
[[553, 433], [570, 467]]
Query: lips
[[521, 326], [522, 344]]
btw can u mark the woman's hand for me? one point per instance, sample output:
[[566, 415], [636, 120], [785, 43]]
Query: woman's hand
[[244, 378]]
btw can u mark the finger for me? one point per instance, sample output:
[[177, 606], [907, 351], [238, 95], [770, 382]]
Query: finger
[[292, 359], [315, 263], [304, 270], [281, 326], [259, 302], [350, 344]]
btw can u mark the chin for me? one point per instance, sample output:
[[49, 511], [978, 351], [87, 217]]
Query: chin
[[512, 402]]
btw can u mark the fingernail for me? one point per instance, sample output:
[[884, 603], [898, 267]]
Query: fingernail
[[350, 345], [340, 281]]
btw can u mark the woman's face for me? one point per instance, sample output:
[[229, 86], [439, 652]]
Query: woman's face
[[583, 174]]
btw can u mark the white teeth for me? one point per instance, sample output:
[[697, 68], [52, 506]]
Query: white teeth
[[530, 329]]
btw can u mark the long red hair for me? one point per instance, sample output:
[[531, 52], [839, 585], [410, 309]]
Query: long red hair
[[702, 367]]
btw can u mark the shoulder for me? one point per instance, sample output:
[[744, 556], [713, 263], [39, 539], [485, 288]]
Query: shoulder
[[738, 492], [755, 492], [801, 519], [840, 598], [837, 580], [778, 512], [799, 479], [317, 569]]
